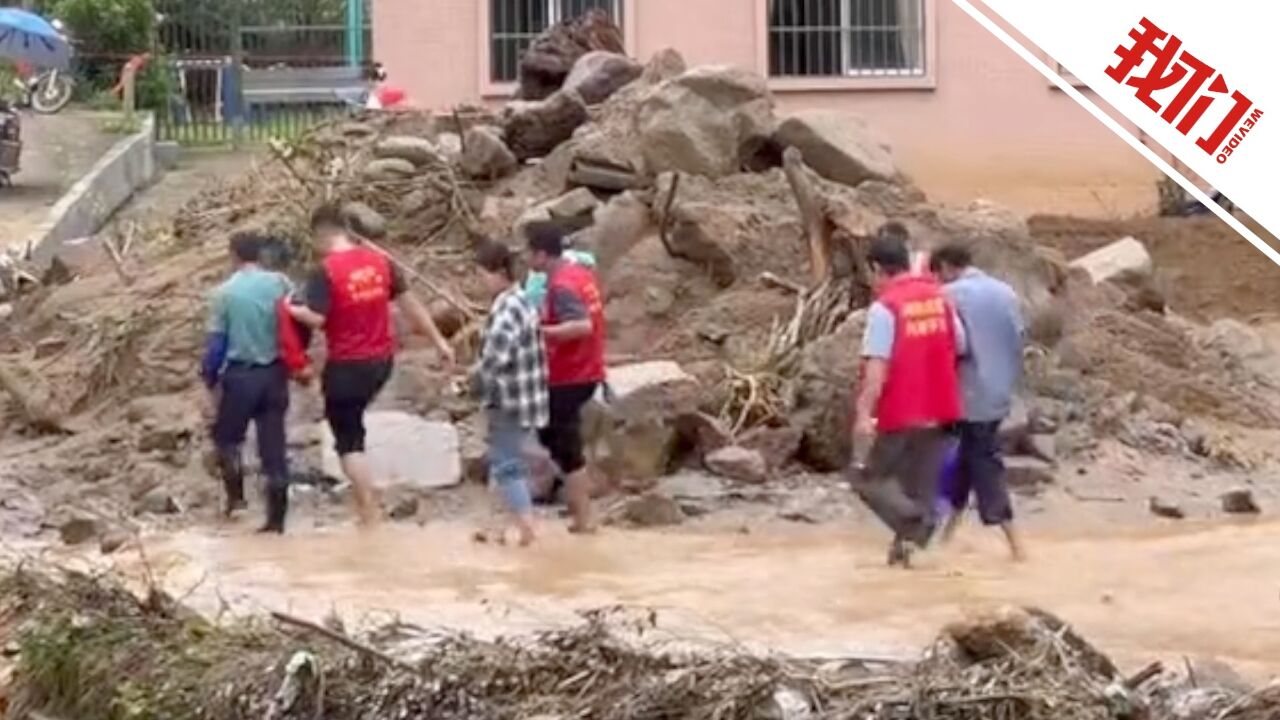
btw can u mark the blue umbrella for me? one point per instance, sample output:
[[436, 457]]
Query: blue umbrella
[[27, 37]]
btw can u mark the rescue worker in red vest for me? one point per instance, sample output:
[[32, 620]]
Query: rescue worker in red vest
[[574, 331], [908, 397], [349, 297]]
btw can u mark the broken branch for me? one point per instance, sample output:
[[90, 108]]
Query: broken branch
[[346, 641], [664, 224], [812, 214]]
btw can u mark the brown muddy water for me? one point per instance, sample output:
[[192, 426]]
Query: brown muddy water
[[1201, 591]]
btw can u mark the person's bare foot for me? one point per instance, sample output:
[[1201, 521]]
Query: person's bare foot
[[1016, 551], [527, 537], [579, 529]]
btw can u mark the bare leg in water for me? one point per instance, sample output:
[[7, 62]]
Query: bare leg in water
[[1014, 539], [578, 495], [356, 467]]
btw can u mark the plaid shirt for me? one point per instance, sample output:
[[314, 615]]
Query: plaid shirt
[[512, 373]]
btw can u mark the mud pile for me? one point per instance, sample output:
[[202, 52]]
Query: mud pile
[[86, 648], [715, 251]]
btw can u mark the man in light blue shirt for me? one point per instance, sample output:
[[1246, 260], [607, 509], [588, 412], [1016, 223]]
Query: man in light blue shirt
[[246, 379], [990, 372]]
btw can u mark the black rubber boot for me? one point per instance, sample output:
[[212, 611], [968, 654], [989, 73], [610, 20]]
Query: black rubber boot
[[232, 469], [277, 505]]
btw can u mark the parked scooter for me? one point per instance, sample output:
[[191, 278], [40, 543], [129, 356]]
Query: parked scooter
[[10, 143], [49, 91]]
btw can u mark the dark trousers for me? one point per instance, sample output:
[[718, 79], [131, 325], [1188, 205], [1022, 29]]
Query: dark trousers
[[981, 473], [562, 437], [257, 394], [901, 480]]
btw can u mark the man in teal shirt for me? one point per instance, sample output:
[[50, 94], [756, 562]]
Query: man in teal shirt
[[243, 371]]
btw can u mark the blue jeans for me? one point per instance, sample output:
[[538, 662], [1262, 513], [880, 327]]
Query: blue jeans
[[508, 470]]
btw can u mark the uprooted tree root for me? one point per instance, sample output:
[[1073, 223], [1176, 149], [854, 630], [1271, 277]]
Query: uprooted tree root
[[89, 649]]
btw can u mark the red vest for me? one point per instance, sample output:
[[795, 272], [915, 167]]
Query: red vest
[[293, 351], [579, 361], [358, 324], [921, 386]]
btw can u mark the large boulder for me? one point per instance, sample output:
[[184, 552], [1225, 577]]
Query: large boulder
[[533, 129], [700, 121], [617, 227], [839, 146], [648, 398], [551, 57], [778, 445], [574, 208], [484, 154], [823, 395], [404, 450], [599, 74]]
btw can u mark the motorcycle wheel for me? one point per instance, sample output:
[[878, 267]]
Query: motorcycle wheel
[[50, 96]]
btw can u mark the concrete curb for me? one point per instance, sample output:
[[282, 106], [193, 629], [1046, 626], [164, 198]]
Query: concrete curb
[[128, 166]]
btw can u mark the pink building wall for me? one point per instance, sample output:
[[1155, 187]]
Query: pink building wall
[[983, 125]]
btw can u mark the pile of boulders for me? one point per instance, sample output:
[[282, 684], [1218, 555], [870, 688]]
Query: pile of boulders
[[672, 175]]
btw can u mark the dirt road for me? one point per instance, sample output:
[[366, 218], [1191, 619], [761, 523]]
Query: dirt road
[[1200, 591], [57, 151]]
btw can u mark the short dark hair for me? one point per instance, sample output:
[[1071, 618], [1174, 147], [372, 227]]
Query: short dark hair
[[496, 257], [546, 237], [889, 248], [275, 253], [952, 255], [247, 246], [328, 215]]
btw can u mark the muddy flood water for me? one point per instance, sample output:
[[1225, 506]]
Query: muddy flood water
[[1201, 591]]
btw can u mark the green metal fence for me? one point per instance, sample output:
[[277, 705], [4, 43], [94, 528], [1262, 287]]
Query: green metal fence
[[209, 51]]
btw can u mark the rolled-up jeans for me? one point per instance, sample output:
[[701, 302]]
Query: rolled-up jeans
[[508, 469]]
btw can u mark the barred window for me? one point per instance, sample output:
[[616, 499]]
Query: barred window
[[854, 38], [513, 24]]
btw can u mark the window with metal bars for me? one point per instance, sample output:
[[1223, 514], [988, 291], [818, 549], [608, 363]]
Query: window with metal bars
[[513, 24], [846, 38]]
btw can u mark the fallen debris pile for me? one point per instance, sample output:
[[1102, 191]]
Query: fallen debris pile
[[88, 649]]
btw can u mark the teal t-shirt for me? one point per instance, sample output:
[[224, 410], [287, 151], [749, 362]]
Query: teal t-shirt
[[244, 308]]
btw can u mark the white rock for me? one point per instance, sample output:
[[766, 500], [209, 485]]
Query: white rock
[[404, 450], [1123, 257], [627, 380]]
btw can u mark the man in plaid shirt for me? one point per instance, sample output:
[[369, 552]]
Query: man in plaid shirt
[[511, 380]]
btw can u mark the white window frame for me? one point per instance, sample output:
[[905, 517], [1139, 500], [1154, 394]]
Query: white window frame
[[925, 78], [621, 10]]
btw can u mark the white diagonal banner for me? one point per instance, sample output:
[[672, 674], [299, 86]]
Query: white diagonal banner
[[1193, 76]]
